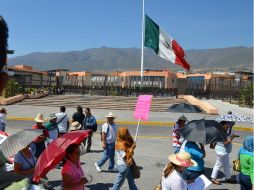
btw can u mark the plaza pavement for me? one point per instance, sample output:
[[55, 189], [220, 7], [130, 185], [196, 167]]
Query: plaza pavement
[[28, 112], [153, 147]]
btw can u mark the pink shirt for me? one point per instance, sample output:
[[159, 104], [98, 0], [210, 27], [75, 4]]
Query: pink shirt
[[75, 172]]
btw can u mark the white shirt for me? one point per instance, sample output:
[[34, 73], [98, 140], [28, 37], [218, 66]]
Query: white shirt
[[2, 118], [62, 126], [111, 133], [53, 134], [120, 154], [173, 182]]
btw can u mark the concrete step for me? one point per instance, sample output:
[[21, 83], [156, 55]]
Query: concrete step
[[159, 104]]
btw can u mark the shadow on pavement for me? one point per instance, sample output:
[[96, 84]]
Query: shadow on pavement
[[106, 171], [208, 173], [55, 183], [101, 186], [96, 151]]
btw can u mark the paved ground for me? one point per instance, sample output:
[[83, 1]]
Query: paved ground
[[29, 112], [153, 147], [224, 107]]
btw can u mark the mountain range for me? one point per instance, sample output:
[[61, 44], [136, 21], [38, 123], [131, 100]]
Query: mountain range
[[120, 59]]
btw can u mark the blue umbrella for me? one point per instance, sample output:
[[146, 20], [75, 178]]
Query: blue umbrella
[[184, 108]]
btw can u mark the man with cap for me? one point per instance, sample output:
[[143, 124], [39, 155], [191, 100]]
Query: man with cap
[[177, 139], [52, 127], [109, 130]]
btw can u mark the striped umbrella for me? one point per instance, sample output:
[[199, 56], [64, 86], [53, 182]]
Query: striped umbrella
[[18, 141], [233, 117]]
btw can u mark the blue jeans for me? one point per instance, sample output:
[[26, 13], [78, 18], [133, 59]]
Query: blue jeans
[[2, 127], [108, 153], [245, 182], [123, 173]]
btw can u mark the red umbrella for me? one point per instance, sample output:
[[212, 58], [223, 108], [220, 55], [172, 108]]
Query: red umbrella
[[55, 152]]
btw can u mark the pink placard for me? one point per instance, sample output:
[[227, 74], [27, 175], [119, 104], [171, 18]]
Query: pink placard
[[143, 107]]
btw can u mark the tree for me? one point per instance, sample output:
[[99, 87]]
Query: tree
[[12, 88], [246, 95]]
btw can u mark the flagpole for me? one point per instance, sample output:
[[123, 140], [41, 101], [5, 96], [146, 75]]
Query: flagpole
[[137, 131], [142, 45]]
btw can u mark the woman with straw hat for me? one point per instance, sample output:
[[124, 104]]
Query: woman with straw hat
[[39, 143], [171, 178]]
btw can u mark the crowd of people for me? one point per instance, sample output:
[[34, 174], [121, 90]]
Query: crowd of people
[[113, 139], [196, 152], [185, 164]]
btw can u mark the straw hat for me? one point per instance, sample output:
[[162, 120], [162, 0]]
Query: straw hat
[[110, 114], [75, 126], [182, 159], [39, 118]]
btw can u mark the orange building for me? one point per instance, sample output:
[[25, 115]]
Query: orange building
[[151, 78], [27, 77]]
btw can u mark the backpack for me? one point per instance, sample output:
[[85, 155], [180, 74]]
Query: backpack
[[106, 133]]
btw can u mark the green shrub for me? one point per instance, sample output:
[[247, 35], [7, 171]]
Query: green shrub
[[12, 89], [246, 95]]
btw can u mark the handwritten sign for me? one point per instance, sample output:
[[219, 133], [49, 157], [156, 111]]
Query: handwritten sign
[[200, 183], [143, 107]]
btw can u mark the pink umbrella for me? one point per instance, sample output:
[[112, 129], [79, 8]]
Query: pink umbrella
[[55, 152]]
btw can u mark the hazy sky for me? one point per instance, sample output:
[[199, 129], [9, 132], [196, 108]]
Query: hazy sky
[[61, 25]]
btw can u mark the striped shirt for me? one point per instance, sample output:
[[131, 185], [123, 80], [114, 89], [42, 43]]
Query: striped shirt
[[177, 139]]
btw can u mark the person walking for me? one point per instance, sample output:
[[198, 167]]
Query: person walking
[[124, 151], [246, 156], [3, 115], [52, 127], [231, 124], [108, 143], [172, 174], [223, 150], [78, 116], [72, 172], [38, 145], [89, 124], [197, 153], [62, 121], [177, 139]]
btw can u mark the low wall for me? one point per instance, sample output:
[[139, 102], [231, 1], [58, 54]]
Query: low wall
[[208, 108], [37, 96], [12, 99]]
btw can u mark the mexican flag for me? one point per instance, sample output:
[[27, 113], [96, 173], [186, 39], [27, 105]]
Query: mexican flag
[[163, 44]]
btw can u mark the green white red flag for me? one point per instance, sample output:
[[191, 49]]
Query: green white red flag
[[163, 44]]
